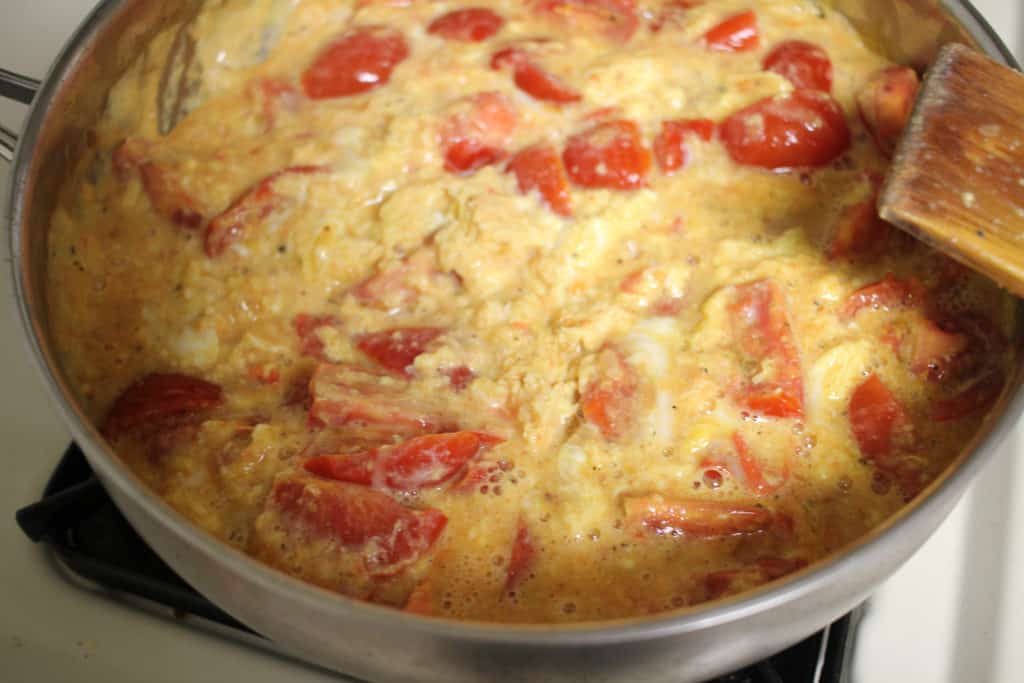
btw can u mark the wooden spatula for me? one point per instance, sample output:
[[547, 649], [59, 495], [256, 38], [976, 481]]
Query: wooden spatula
[[957, 180]]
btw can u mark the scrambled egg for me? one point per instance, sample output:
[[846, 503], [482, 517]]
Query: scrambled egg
[[664, 374]]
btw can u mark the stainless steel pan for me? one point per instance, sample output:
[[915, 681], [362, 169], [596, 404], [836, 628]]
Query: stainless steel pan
[[384, 645]]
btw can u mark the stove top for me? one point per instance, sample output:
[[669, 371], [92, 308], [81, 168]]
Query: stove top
[[99, 551]]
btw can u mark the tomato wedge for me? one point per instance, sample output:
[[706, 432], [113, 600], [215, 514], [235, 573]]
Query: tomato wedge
[[878, 420], [400, 285], [470, 25], [358, 62], [615, 19], [476, 133], [609, 155], [531, 78], [250, 209], [805, 128], [738, 33], [670, 147], [345, 395], [806, 65], [421, 462], [522, 555], [885, 103], [540, 168], [159, 400], [396, 349], [389, 534], [695, 517], [764, 335], [607, 401], [888, 293]]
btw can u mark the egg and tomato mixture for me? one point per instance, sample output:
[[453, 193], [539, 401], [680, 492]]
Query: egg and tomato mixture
[[542, 311]]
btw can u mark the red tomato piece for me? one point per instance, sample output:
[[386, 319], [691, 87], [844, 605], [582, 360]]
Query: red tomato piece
[[522, 555], [878, 421], [976, 398], [807, 66], [694, 517], [470, 25], [540, 168], [802, 128], [250, 209], [607, 401], [738, 33], [609, 155], [476, 134], [670, 146], [306, 326], [460, 376], [753, 473], [400, 285], [396, 349], [389, 534], [673, 12], [346, 395], [860, 231], [357, 62], [615, 19], [763, 332], [160, 400], [930, 350], [531, 78], [805, 128], [888, 293], [421, 462], [885, 104], [168, 196]]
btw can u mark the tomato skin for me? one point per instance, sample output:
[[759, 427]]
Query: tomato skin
[[348, 395], [804, 64], [615, 19], [885, 104], [470, 25], [248, 210], [540, 168], [390, 534], [159, 399], [670, 146], [531, 78], [357, 62], [475, 136], [396, 349], [694, 517], [805, 128], [738, 33], [421, 462], [763, 332], [753, 473], [521, 556], [607, 402], [609, 155], [888, 293]]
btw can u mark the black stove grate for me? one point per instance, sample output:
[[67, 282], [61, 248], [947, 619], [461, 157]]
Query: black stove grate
[[80, 523]]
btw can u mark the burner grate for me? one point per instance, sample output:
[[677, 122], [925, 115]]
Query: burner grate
[[80, 523]]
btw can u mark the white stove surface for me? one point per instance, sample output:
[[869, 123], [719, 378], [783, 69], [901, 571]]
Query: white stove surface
[[953, 614]]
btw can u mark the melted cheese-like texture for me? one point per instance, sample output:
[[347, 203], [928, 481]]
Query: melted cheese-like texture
[[528, 300]]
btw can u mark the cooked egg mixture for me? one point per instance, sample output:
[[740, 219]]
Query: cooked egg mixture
[[519, 311]]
